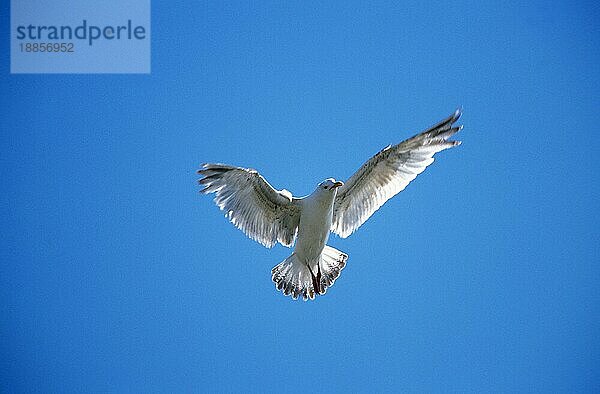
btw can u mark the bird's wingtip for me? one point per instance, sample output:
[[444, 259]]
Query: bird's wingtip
[[202, 167], [457, 114]]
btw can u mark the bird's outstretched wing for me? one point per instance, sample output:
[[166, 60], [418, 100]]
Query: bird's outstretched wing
[[266, 215], [387, 174]]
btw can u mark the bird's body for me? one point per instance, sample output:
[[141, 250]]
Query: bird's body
[[270, 216], [315, 224], [316, 212]]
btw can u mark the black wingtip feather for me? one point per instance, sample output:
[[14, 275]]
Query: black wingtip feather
[[446, 123], [457, 114], [208, 178]]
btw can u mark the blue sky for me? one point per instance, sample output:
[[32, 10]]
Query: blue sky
[[483, 275]]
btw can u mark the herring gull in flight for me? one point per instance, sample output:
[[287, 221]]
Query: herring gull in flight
[[269, 216]]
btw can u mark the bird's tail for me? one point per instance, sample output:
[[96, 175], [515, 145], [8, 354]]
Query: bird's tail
[[297, 278]]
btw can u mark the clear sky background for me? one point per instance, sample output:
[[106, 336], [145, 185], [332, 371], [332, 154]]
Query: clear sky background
[[483, 275]]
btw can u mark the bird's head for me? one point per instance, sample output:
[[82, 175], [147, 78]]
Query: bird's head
[[329, 185]]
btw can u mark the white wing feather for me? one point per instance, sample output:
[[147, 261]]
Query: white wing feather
[[387, 174], [264, 214]]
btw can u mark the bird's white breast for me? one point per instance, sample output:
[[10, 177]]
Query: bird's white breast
[[314, 226]]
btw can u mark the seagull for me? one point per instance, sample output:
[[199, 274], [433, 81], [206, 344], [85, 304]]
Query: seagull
[[268, 216]]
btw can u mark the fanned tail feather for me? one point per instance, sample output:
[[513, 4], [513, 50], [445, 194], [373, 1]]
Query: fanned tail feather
[[296, 278], [332, 263]]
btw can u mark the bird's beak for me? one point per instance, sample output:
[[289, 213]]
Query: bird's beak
[[337, 184]]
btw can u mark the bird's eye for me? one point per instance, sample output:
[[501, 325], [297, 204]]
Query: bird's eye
[[325, 187]]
